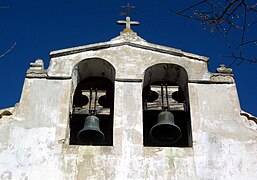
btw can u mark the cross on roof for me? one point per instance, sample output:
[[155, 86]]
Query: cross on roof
[[128, 12], [128, 22]]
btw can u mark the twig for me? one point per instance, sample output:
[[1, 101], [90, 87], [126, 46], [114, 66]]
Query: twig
[[252, 60], [190, 7], [248, 42], [243, 34], [223, 16], [8, 50]]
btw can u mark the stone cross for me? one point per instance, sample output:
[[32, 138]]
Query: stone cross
[[128, 22]]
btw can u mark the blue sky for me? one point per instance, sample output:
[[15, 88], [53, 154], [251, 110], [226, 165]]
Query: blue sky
[[38, 27]]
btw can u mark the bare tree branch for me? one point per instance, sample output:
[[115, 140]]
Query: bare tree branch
[[252, 60], [248, 42], [8, 50], [190, 7], [227, 17]]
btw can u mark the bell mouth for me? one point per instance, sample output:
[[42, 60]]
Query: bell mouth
[[91, 133], [90, 136], [166, 133]]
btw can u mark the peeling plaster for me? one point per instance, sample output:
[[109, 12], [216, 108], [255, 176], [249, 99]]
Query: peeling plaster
[[34, 141]]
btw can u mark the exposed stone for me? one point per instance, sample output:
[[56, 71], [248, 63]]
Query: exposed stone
[[36, 69], [224, 69], [129, 36], [249, 116], [222, 78], [6, 112]]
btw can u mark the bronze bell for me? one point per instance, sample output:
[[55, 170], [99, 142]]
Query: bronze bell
[[165, 131], [91, 132]]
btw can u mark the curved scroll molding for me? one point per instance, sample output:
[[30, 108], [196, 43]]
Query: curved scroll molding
[[249, 120], [6, 112]]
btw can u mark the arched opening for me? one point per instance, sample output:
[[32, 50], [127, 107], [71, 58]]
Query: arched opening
[[91, 121], [166, 111]]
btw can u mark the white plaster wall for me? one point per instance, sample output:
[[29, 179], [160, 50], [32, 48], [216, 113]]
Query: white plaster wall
[[129, 62], [34, 141], [34, 144], [224, 148], [29, 146]]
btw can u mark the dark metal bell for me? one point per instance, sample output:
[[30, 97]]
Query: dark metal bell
[[165, 131], [91, 132]]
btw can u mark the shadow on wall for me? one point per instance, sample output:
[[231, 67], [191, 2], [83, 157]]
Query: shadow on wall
[[91, 122], [166, 110]]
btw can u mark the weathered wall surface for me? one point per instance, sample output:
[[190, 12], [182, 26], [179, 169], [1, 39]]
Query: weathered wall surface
[[223, 146], [135, 59], [34, 141], [28, 137]]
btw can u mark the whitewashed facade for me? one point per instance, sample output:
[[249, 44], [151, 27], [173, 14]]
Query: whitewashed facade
[[34, 141]]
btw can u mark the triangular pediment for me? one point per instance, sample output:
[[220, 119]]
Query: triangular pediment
[[129, 39]]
